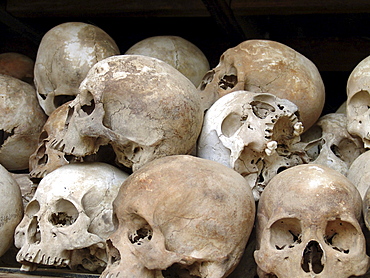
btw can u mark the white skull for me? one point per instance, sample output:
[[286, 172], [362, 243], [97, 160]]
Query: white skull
[[177, 52], [180, 214], [69, 218], [21, 122], [330, 144], [358, 101], [253, 133], [141, 106], [65, 55], [264, 66], [359, 173], [308, 225], [11, 209]]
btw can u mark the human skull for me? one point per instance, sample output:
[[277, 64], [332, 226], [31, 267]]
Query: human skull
[[46, 159], [308, 225], [21, 122], [180, 214], [141, 106], [359, 173], [253, 133], [11, 209], [65, 55], [330, 144], [358, 101], [17, 65], [69, 218], [264, 66], [177, 52]]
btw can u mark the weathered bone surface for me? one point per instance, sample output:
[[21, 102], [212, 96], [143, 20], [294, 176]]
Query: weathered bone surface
[[139, 105], [330, 144], [21, 122], [11, 209], [177, 52], [180, 215], [65, 55], [358, 101], [253, 133], [17, 65], [308, 225], [359, 173], [69, 218], [264, 66]]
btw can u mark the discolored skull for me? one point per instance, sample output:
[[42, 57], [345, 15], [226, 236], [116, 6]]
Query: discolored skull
[[11, 209], [308, 225], [65, 55], [330, 144], [69, 218], [17, 65], [21, 122], [139, 105], [264, 66], [177, 52], [180, 216], [358, 102], [253, 133]]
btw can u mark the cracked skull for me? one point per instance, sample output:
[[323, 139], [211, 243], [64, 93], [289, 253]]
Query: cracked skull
[[253, 133], [65, 55], [177, 52], [180, 216], [69, 218], [308, 225], [264, 66], [21, 122], [358, 101], [141, 106]]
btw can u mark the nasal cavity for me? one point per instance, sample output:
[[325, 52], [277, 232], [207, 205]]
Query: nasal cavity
[[312, 255]]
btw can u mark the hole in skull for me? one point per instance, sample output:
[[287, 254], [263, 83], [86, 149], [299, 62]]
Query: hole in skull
[[43, 157], [228, 81], [88, 109], [311, 261], [231, 124], [61, 99], [262, 109], [208, 77], [65, 213], [34, 231], [346, 150], [42, 96], [140, 235], [4, 135], [340, 235], [32, 208], [285, 233], [177, 271], [283, 131]]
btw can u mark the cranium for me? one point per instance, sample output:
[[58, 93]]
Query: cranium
[[69, 218], [17, 65], [330, 144], [65, 55], [139, 105], [253, 133], [11, 209], [177, 52], [180, 216], [358, 101], [308, 225], [21, 122], [264, 66]]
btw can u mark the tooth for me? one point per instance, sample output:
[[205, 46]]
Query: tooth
[[270, 147], [298, 128]]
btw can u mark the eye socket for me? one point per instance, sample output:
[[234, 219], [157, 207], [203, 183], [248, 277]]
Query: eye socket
[[140, 231], [340, 235], [346, 150], [32, 208], [61, 99], [285, 233], [65, 213], [359, 103], [208, 77], [231, 124], [262, 109]]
